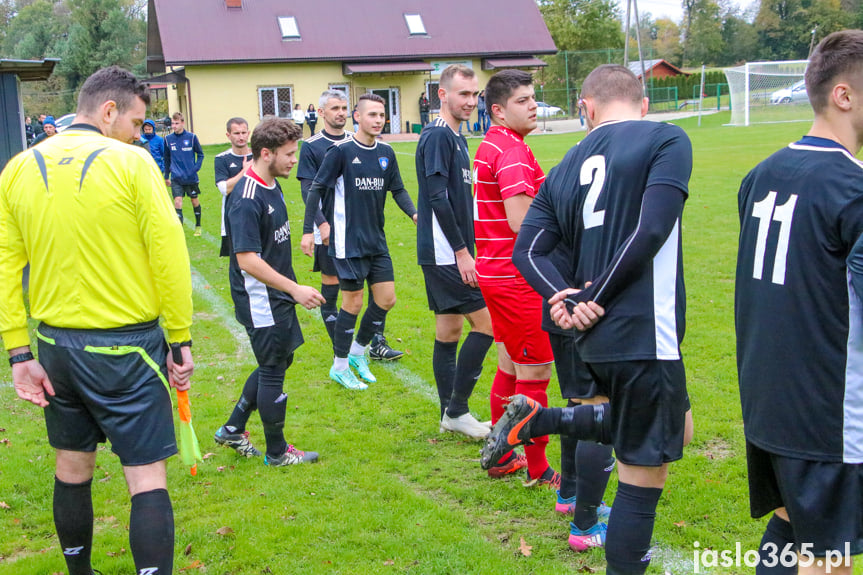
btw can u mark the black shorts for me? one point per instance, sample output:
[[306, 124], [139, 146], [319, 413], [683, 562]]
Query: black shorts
[[448, 294], [180, 190], [648, 408], [824, 499], [274, 345], [354, 272], [225, 249], [109, 384], [324, 261], [572, 373]]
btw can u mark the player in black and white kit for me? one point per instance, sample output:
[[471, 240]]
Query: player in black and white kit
[[445, 250], [352, 185], [264, 290], [334, 111], [799, 322], [615, 201], [229, 167]]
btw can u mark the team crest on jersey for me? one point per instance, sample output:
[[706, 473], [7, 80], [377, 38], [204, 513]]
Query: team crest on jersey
[[384, 162]]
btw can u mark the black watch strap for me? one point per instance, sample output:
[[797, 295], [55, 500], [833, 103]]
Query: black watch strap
[[21, 357]]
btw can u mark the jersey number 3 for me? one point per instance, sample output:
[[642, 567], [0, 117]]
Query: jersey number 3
[[593, 173], [766, 211]]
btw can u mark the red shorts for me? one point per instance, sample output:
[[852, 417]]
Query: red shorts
[[516, 319]]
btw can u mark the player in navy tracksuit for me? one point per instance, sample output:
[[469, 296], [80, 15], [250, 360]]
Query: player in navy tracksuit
[[183, 160]]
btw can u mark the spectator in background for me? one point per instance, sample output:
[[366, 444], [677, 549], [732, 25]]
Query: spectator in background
[[298, 117], [37, 125], [28, 130], [49, 128], [481, 112], [156, 144], [424, 109], [311, 119]]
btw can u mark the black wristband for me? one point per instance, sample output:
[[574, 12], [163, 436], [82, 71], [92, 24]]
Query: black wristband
[[21, 357]]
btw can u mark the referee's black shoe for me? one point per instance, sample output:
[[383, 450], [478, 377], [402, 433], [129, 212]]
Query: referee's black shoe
[[381, 351]]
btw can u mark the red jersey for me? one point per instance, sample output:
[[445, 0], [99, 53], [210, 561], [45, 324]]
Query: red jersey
[[504, 166]]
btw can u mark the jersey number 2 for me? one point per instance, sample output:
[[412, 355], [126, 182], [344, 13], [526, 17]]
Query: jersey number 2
[[593, 173], [766, 211]]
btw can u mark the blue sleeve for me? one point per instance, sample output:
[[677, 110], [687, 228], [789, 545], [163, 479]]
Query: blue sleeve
[[199, 154], [855, 267], [167, 158]]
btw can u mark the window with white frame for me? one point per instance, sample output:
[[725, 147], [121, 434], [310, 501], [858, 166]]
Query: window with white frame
[[416, 27], [342, 88], [432, 95], [289, 28], [276, 101]]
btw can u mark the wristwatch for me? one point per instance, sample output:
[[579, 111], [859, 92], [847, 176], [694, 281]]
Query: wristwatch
[[21, 357]]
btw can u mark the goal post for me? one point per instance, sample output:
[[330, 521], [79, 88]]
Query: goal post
[[765, 92]]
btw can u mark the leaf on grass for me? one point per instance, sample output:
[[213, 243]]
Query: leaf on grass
[[524, 548], [220, 468], [4, 505], [115, 554], [209, 455], [266, 569], [680, 524], [389, 562], [433, 441], [188, 549], [196, 564], [224, 531], [105, 479], [5, 441], [2, 429], [586, 569]]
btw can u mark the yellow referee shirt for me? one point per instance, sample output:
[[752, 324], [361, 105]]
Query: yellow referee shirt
[[105, 246]]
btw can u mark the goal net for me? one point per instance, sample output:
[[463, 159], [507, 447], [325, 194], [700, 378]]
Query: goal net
[[764, 92]]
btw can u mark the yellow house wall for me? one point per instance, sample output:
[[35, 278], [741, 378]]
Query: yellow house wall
[[220, 92]]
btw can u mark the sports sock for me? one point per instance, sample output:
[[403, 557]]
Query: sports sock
[[271, 407], [371, 323], [346, 322], [592, 422], [330, 310], [780, 533], [340, 363], [378, 328], [630, 528], [594, 464], [180, 214], [568, 467], [151, 532], [73, 519], [537, 462], [467, 371], [197, 210], [443, 365], [357, 349], [502, 388], [247, 403]]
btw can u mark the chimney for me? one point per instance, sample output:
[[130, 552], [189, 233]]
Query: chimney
[[234, 4]]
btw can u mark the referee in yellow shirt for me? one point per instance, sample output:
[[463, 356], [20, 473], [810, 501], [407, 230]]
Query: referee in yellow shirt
[[107, 258]]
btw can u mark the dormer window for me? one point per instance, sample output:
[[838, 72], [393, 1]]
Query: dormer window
[[289, 28], [416, 27]]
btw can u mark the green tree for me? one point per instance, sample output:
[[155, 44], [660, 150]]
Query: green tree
[[739, 36], [35, 31], [583, 24], [666, 41], [703, 39]]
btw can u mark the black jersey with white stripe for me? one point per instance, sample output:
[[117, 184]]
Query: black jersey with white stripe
[[356, 179], [444, 152], [312, 154], [799, 322], [592, 200], [226, 165], [258, 222]]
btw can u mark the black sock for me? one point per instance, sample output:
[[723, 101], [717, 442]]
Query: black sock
[[443, 365], [197, 210], [467, 371], [630, 529], [380, 328], [271, 407], [371, 323], [591, 422], [151, 532], [73, 519], [594, 463], [346, 322], [330, 310], [568, 467], [180, 214], [780, 533], [247, 403]]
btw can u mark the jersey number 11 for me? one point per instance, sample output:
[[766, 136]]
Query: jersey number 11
[[767, 211]]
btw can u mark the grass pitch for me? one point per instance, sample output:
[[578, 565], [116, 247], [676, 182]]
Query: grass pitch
[[391, 495]]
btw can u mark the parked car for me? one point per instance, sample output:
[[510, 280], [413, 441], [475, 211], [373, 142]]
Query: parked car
[[64, 122], [794, 93], [543, 110]]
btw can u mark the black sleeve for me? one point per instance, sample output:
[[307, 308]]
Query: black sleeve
[[312, 203], [305, 186], [325, 180], [531, 256], [661, 208], [220, 167], [167, 158], [436, 185], [395, 176], [244, 217], [404, 202]]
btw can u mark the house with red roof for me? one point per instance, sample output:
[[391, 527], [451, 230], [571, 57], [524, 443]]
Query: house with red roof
[[254, 58]]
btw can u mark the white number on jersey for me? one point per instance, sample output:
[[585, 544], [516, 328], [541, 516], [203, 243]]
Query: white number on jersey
[[475, 202], [767, 211], [593, 173]]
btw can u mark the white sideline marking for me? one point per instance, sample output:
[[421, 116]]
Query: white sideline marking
[[411, 381], [222, 310]]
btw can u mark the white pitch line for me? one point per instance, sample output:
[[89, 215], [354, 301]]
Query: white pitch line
[[222, 310]]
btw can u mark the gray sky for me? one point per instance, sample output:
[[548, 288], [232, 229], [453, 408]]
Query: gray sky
[[672, 9]]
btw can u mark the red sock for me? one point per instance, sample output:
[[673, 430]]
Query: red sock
[[535, 389], [502, 388]]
